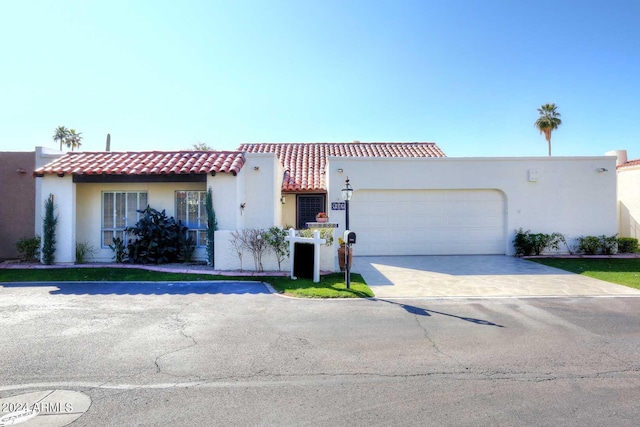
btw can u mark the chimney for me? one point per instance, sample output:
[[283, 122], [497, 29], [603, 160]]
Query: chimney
[[620, 154]]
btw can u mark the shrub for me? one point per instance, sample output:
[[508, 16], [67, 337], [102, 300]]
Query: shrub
[[274, 237], [527, 243], [253, 241], [29, 248], [119, 249], [158, 238], [627, 245], [49, 223], [212, 226], [83, 251], [589, 244], [522, 242], [608, 244], [325, 233]]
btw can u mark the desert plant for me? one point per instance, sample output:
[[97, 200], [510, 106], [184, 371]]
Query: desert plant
[[49, 223], [119, 250], [608, 244], [627, 245], [212, 226], [563, 239], [29, 248], [589, 244], [158, 238], [275, 238], [83, 251]]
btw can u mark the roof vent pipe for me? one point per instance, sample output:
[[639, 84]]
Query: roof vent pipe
[[108, 148], [620, 154]]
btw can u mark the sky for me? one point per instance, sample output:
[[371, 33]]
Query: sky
[[468, 75]]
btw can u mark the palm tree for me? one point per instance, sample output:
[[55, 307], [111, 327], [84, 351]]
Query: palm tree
[[61, 134], [73, 139], [548, 121]]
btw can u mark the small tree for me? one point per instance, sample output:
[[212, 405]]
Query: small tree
[[212, 226], [275, 238], [236, 243], [50, 221]]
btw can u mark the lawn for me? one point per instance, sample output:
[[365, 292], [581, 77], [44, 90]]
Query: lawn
[[621, 271], [330, 286]]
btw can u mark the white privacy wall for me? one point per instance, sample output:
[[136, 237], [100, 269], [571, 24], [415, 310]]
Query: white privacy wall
[[569, 195], [629, 201]]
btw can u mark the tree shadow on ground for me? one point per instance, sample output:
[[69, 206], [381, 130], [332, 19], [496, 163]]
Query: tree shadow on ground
[[419, 311]]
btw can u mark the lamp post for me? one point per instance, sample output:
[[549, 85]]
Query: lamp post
[[346, 193]]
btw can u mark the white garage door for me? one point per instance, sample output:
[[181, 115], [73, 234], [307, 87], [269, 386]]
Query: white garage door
[[428, 222]]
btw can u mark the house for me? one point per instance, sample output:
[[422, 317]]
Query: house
[[628, 172], [409, 198], [18, 192]]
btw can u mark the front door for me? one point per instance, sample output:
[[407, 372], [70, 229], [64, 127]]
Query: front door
[[308, 208]]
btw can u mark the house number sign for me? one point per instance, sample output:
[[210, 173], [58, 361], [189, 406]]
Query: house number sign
[[337, 206]]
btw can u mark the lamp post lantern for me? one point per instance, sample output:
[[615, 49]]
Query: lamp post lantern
[[346, 193]]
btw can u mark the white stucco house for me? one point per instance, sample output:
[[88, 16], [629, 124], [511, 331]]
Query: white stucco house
[[409, 198], [628, 172]]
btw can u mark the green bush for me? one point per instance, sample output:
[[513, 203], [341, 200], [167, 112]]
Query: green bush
[[527, 243], [589, 245], [119, 250], [29, 248], [627, 245], [158, 238], [83, 251], [608, 244], [49, 223]]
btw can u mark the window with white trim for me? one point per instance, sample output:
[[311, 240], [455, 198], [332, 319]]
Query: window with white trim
[[119, 211], [192, 211]]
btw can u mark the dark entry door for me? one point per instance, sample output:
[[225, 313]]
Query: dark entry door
[[308, 208]]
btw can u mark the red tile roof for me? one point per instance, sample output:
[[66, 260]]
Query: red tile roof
[[629, 163], [306, 161], [145, 163]]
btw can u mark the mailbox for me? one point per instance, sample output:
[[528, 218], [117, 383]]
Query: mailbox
[[349, 237]]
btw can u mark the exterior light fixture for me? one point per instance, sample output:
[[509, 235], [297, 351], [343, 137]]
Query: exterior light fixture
[[347, 193]]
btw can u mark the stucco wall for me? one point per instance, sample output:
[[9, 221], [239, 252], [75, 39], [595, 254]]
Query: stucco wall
[[570, 196], [17, 200], [629, 201], [89, 210]]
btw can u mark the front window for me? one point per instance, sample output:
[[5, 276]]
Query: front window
[[119, 211], [191, 210]]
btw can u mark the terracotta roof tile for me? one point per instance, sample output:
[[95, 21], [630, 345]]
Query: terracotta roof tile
[[306, 163], [145, 162], [629, 163]]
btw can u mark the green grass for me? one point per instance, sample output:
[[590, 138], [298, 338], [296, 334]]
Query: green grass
[[621, 271], [330, 286]]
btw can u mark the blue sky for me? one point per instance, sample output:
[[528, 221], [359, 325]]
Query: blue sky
[[466, 74]]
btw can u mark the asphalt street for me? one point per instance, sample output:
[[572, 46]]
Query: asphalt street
[[234, 354]]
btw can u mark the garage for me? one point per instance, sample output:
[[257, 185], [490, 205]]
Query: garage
[[429, 222]]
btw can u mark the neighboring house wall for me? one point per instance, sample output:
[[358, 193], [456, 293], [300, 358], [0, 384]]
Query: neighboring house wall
[[629, 201], [17, 208], [570, 196]]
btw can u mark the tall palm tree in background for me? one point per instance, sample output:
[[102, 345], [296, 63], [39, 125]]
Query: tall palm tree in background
[[74, 139], [548, 121], [61, 134]]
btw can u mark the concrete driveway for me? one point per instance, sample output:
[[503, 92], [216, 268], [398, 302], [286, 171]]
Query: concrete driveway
[[475, 276]]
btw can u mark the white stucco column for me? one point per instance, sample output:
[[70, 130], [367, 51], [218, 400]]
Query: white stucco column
[[64, 199]]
